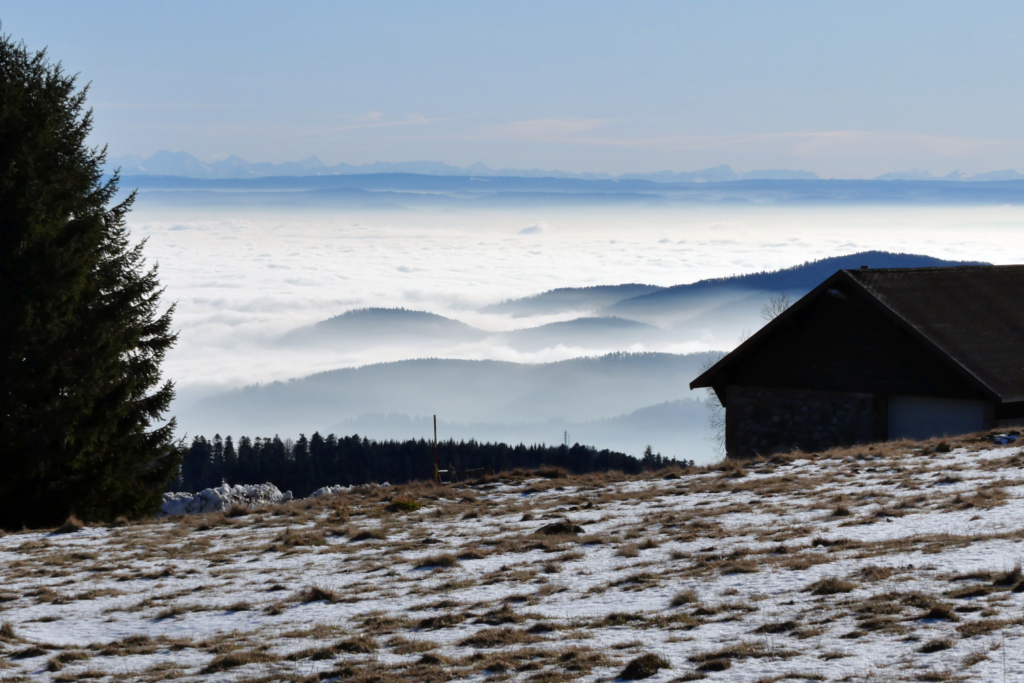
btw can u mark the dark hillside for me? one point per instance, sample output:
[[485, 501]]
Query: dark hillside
[[682, 301]]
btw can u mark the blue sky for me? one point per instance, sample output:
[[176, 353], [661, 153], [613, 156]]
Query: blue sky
[[845, 89]]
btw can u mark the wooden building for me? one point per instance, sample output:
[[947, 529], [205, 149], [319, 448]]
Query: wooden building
[[872, 355]]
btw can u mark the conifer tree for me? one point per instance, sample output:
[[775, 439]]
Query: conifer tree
[[82, 336]]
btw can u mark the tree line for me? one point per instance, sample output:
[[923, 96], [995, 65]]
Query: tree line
[[305, 465]]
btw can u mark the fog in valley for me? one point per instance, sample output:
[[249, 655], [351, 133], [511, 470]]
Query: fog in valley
[[280, 284]]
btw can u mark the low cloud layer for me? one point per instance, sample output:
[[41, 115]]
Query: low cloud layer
[[244, 278]]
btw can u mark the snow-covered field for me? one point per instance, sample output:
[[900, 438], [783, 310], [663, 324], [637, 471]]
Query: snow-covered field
[[887, 563]]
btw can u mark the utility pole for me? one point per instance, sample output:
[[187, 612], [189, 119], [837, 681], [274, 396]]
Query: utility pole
[[437, 475]]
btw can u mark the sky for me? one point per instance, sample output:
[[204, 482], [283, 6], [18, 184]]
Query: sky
[[844, 89]]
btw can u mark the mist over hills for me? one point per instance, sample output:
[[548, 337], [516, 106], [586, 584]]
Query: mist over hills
[[724, 299], [521, 401], [619, 400], [676, 428], [594, 332], [381, 327], [714, 302], [632, 317], [569, 299]]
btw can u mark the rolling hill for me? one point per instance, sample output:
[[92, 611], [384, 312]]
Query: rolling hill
[[372, 326], [672, 306]]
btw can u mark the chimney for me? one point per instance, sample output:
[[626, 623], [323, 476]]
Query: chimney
[[863, 267]]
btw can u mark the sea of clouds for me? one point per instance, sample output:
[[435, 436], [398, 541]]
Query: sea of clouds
[[241, 278]]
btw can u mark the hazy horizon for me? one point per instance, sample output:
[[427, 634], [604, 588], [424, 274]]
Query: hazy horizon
[[183, 164]]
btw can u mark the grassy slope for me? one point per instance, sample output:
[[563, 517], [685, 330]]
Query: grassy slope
[[893, 562]]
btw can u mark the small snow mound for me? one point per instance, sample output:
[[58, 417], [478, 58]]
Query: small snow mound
[[329, 491], [222, 498]]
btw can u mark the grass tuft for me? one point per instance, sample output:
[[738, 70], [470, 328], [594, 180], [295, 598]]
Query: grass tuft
[[941, 613], [70, 526], [232, 660], [644, 666], [367, 535], [437, 562], [830, 585], [356, 645], [687, 597], [1010, 578], [552, 473], [403, 504], [936, 645], [498, 637], [317, 594]]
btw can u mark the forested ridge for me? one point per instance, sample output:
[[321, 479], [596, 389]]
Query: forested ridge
[[305, 465]]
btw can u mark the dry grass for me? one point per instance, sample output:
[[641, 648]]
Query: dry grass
[[646, 532], [831, 585], [70, 526], [687, 597], [316, 594], [357, 535], [980, 627], [436, 562], [356, 645], [403, 504], [499, 637], [232, 660], [644, 666]]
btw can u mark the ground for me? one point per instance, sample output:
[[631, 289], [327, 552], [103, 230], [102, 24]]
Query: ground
[[893, 562]]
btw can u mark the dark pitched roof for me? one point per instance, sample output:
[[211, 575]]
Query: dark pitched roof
[[972, 315]]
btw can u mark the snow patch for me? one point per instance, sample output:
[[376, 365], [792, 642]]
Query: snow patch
[[329, 491], [222, 498]]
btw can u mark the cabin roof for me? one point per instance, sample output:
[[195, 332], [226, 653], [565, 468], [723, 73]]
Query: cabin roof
[[972, 316]]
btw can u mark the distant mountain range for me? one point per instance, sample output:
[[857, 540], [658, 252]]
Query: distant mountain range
[[184, 165], [418, 192]]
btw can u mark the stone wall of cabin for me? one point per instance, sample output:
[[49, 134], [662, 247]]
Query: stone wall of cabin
[[761, 421]]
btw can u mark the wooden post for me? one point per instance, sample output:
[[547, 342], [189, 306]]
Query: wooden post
[[437, 475]]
